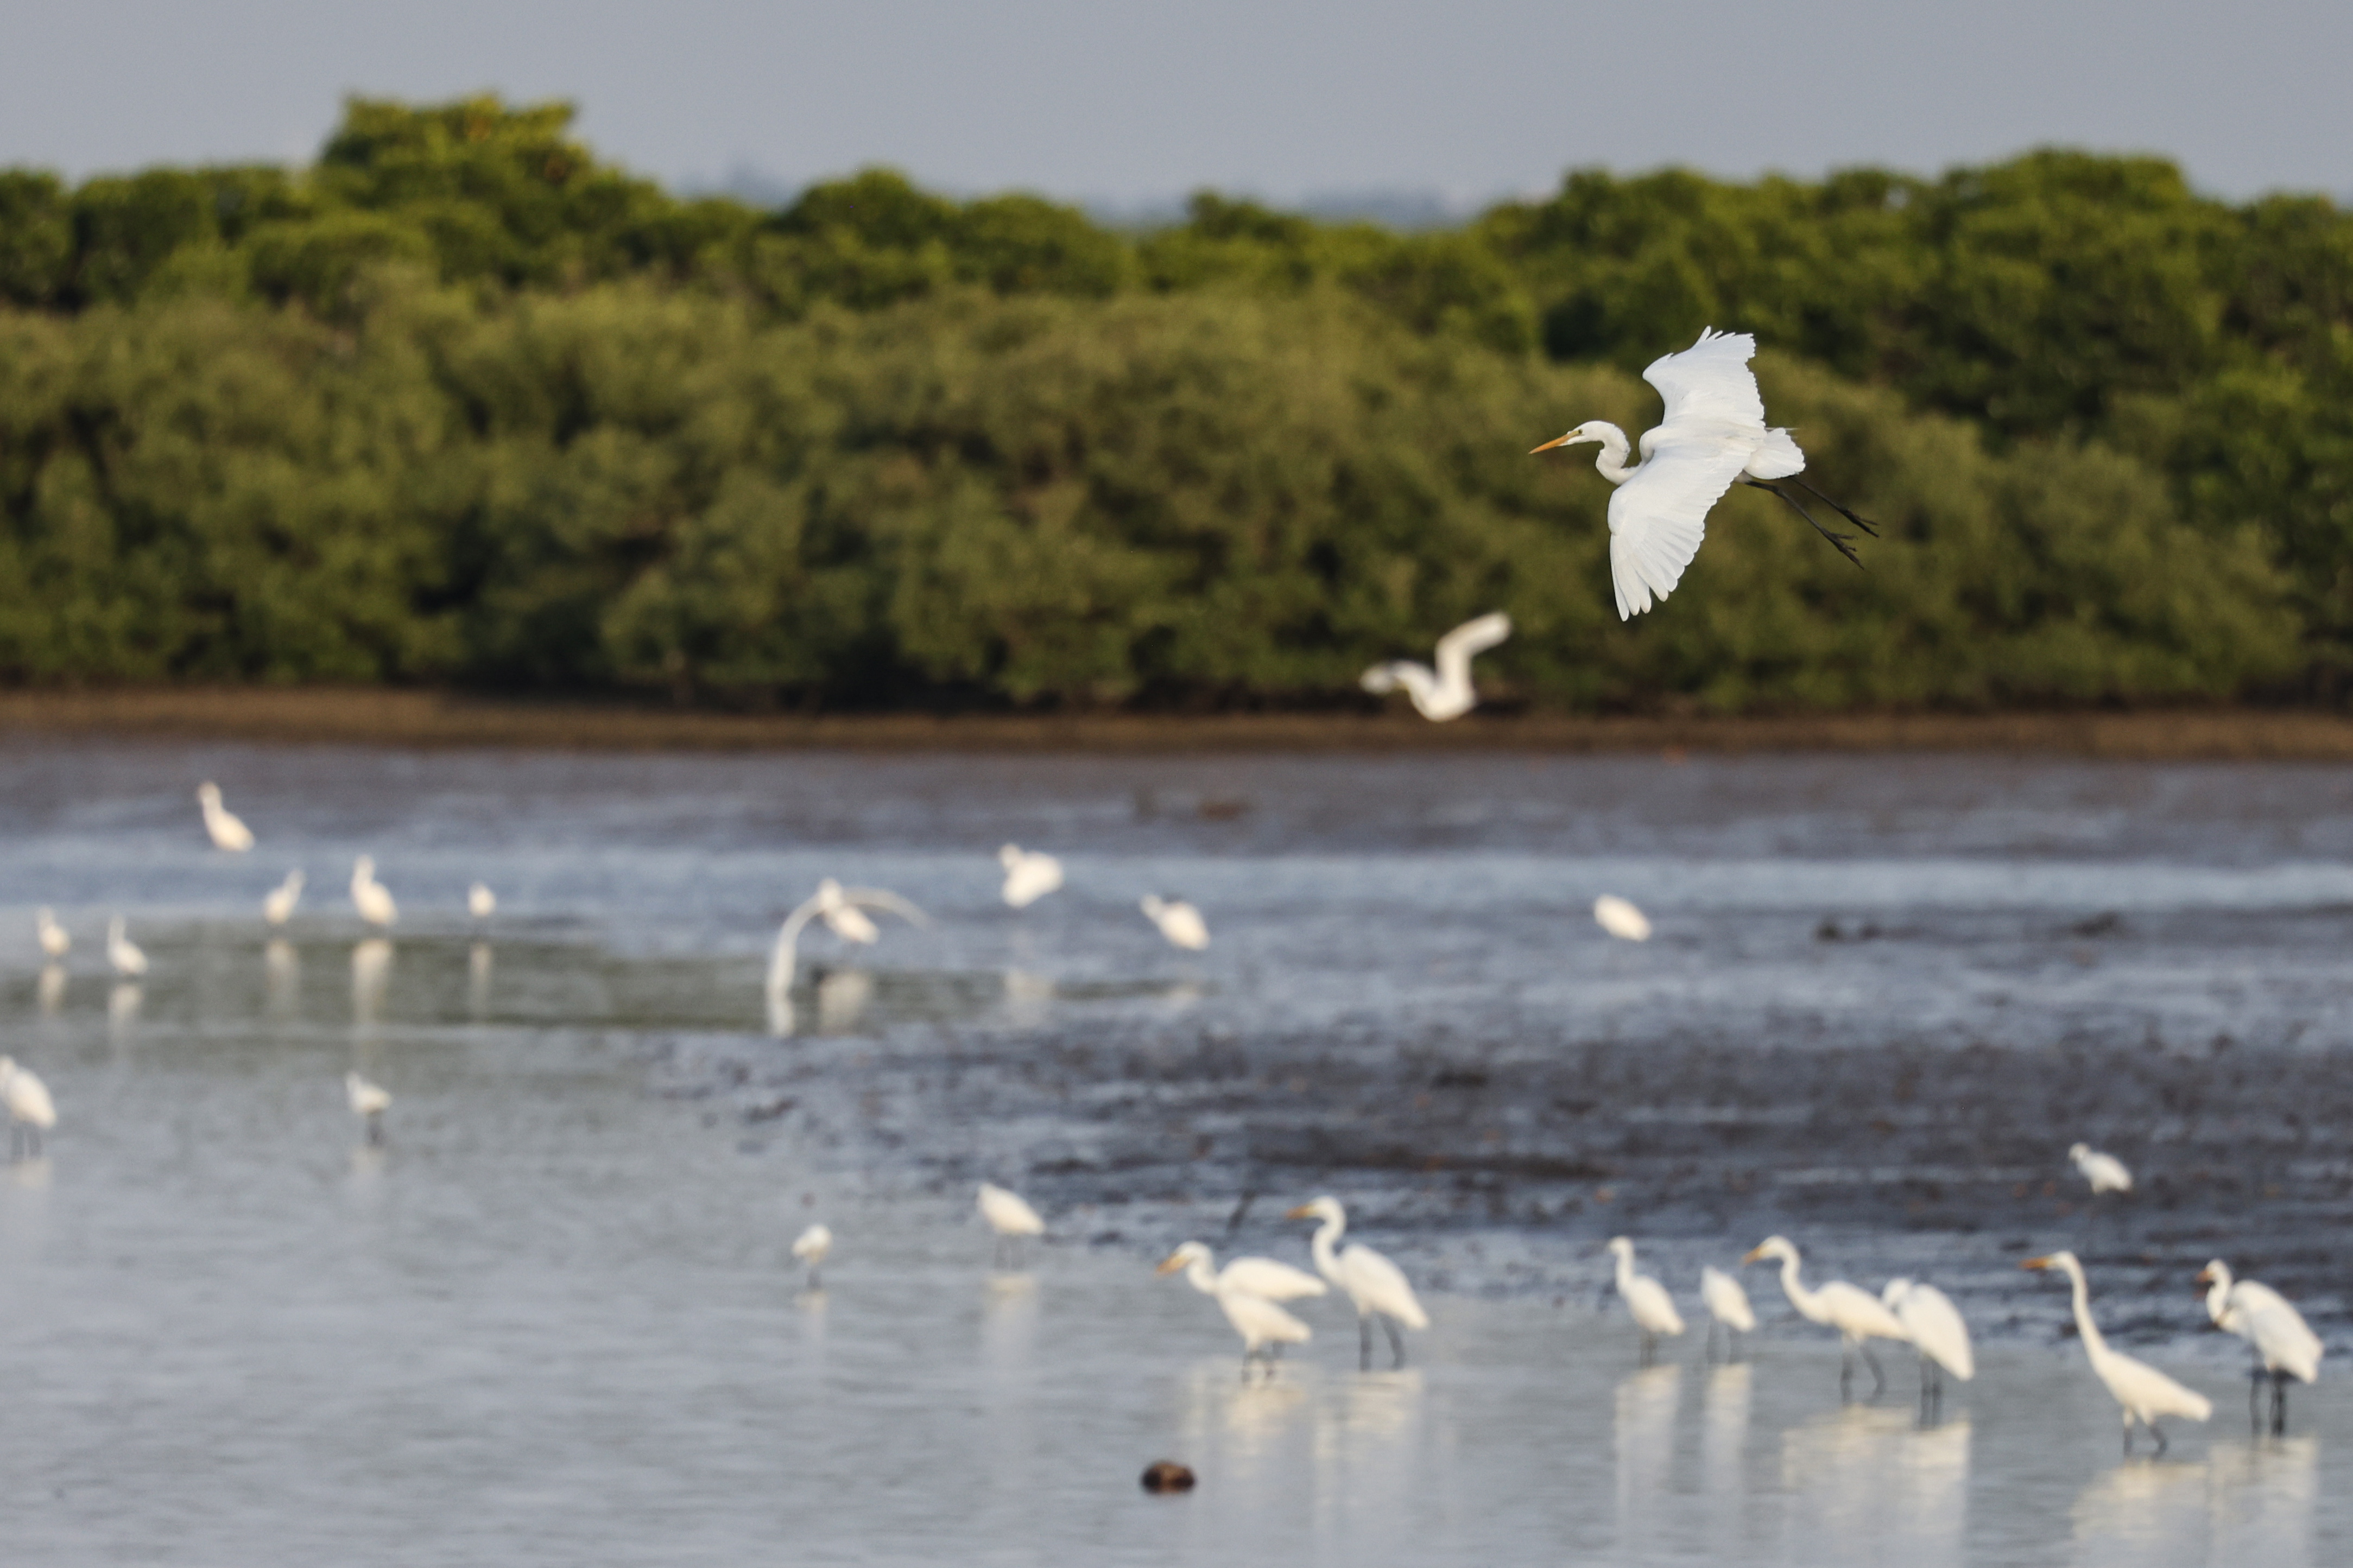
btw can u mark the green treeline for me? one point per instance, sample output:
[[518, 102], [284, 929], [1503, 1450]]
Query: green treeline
[[459, 403]]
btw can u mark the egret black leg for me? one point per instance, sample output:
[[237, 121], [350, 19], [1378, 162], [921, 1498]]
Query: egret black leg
[[1649, 1349], [1397, 1344], [1839, 542], [1364, 1343], [2279, 1404], [1711, 1342], [1863, 523], [1846, 1369], [2159, 1433], [2254, 1392], [2128, 1426], [1878, 1378]]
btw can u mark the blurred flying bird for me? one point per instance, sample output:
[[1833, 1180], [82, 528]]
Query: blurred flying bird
[[811, 1247], [1010, 1217], [1444, 692], [1653, 1310], [120, 951], [1029, 876], [227, 832], [1621, 919], [31, 1112], [2283, 1343], [1935, 1327], [370, 897], [2141, 1391], [1180, 921], [2105, 1171], [368, 1101], [843, 911], [1377, 1287], [1859, 1316], [55, 942], [278, 906]]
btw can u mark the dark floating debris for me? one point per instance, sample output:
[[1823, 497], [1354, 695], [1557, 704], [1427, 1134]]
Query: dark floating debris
[[1168, 1475]]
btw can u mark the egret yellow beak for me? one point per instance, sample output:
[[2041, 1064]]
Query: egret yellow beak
[[1754, 1254], [1170, 1265], [1304, 1211], [2205, 1276], [1548, 445], [2036, 1263]]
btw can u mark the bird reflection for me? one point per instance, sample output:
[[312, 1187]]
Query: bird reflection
[[2260, 1498], [2140, 1513], [841, 998], [1722, 1444], [281, 974], [1008, 1324], [478, 981], [122, 1005], [1865, 1474], [1645, 1434], [371, 969], [1382, 1403], [1254, 1415], [34, 1172], [1027, 996], [51, 990]]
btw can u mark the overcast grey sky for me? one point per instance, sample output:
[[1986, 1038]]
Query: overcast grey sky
[[1113, 102]]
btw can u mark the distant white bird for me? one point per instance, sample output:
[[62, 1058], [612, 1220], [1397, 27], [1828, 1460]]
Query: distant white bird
[[1377, 1287], [1936, 1332], [1263, 1326], [227, 832], [54, 942], [2143, 1393], [2283, 1343], [120, 951], [1010, 1217], [1653, 1310], [2105, 1171], [1712, 436], [1446, 691], [1727, 1304], [368, 1101], [1180, 921], [1859, 1316], [843, 911], [1261, 1277], [278, 905], [481, 902], [1621, 919], [31, 1112], [371, 897], [1029, 875], [812, 1246]]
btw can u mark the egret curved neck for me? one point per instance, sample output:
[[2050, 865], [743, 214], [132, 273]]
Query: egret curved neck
[[2088, 1330], [1612, 463], [1321, 1246], [1625, 1271], [2218, 1297], [785, 959], [1795, 1288], [1201, 1277]]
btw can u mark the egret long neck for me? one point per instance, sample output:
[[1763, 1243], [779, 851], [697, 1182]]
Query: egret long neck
[[1795, 1288], [2089, 1331], [1625, 1271], [1201, 1277], [1326, 1264], [2218, 1297], [1612, 463]]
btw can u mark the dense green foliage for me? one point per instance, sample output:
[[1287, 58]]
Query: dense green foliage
[[460, 403]]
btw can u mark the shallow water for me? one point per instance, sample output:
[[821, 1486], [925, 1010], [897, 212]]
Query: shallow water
[[554, 1321]]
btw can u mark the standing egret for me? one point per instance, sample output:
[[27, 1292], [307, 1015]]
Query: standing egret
[[1029, 875], [120, 951], [2284, 1345], [812, 1246], [1180, 921], [278, 905], [370, 897], [1446, 691], [1264, 1278], [1621, 919], [54, 942], [227, 833], [1010, 1217], [2105, 1171], [368, 1101], [1935, 1327], [481, 902], [31, 1112], [1377, 1287], [1262, 1325], [843, 911], [1859, 1316], [2141, 1391], [1653, 1308], [1727, 1304], [1712, 435]]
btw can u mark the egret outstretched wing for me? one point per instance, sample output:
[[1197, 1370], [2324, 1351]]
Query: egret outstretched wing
[[878, 898], [1709, 382], [1658, 517], [1457, 648]]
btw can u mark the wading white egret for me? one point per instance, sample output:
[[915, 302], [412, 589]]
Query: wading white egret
[[1376, 1287], [54, 942], [120, 951], [1859, 1316], [31, 1112], [1263, 1326], [278, 904], [227, 833], [1727, 1304], [2105, 1171], [481, 902], [371, 897], [812, 1246], [1712, 436], [1653, 1310], [1935, 1327], [2284, 1345], [1010, 1217], [2140, 1391], [1180, 921], [1446, 691], [843, 911], [1621, 919], [368, 1101], [1261, 1277], [1029, 875]]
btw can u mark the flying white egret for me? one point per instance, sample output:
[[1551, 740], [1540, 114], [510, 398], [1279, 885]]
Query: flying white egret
[[1621, 919], [1029, 875], [120, 951], [1712, 436], [1859, 1316], [1653, 1308], [1446, 691], [1263, 1326], [843, 911], [1377, 1287], [368, 1101], [481, 902], [55, 940], [278, 904], [1935, 1327], [370, 897], [1180, 921], [227, 832], [1727, 1304], [1264, 1278], [2141, 1391], [31, 1112], [812, 1246], [2284, 1345], [1010, 1217], [2105, 1171]]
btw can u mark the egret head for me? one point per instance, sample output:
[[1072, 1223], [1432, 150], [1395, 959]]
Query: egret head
[[364, 869], [1619, 1247], [1585, 432], [2215, 1273], [1184, 1257], [1897, 1289], [829, 895], [2077, 1151], [1778, 1246], [1327, 1210], [209, 793], [1380, 680], [1009, 855], [2053, 1260]]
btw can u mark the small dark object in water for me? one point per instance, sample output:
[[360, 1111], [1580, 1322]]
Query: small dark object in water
[[1216, 809], [1166, 1475]]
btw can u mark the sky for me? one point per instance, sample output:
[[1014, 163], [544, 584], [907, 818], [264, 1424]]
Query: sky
[[1119, 104]]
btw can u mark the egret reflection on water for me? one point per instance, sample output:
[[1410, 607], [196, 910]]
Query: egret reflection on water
[[51, 989]]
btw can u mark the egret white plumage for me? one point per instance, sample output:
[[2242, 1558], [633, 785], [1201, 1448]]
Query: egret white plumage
[[1727, 1305], [1010, 1217], [2140, 1391], [1647, 1302], [55, 940], [371, 897], [843, 911], [1261, 1277], [278, 904], [227, 832], [2105, 1171], [481, 902], [1029, 875], [1712, 436], [1377, 1287], [368, 1101], [1444, 692], [1180, 921], [1263, 1326], [31, 1112], [2283, 1343], [1621, 919], [120, 951], [1859, 1316], [812, 1246], [1936, 1331]]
